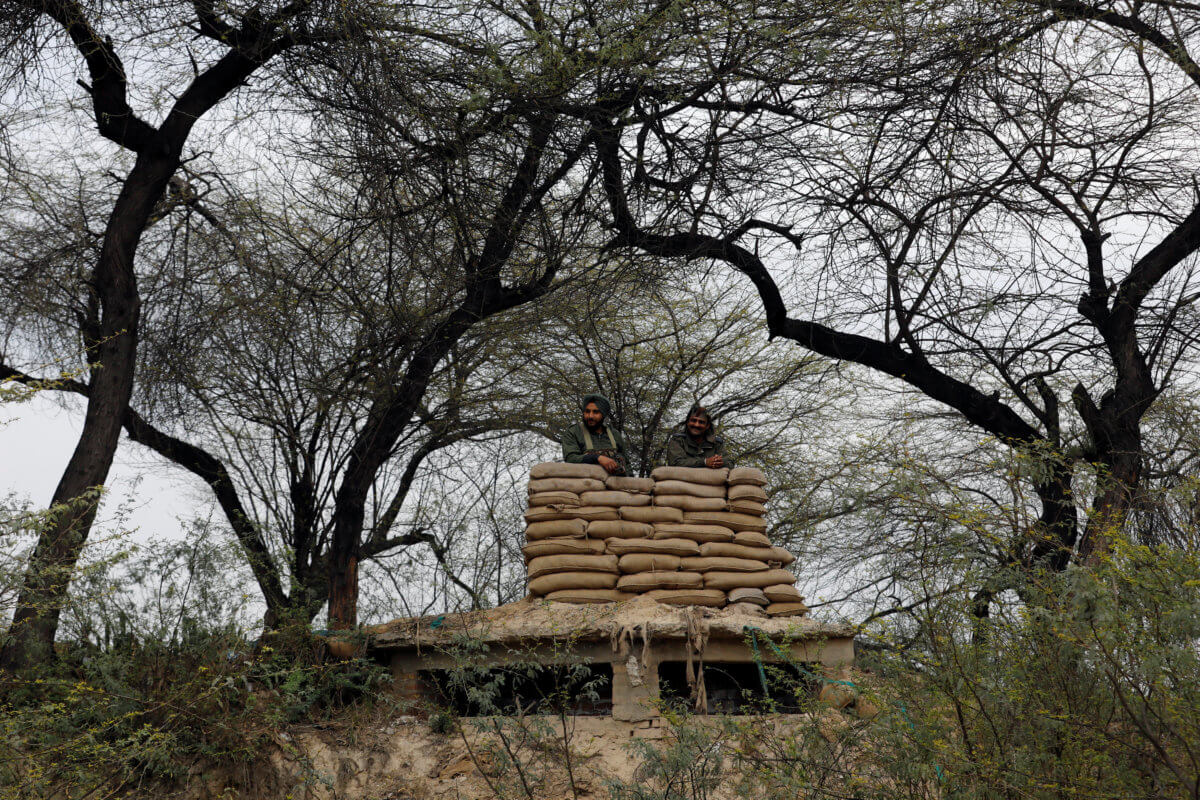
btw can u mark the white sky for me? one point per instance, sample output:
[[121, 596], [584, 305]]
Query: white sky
[[39, 435]]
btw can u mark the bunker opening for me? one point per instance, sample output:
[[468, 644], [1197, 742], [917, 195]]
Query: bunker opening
[[737, 687], [576, 689]]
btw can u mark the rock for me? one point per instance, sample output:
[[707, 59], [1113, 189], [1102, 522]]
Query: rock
[[830, 724], [837, 695]]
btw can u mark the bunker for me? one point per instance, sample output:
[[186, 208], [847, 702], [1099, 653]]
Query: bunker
[[640, 655]]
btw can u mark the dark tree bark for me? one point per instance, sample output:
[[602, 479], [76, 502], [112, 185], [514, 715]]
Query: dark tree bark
[[35, 621]]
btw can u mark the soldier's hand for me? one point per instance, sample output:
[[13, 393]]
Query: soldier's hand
[[715, 462], [610, 464]]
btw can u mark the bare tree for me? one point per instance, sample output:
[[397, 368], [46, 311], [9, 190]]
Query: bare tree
[[233, 44], [1002, 219]]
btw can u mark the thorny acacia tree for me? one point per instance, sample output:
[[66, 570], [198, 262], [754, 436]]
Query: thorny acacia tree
[[655, 348], [229, 46], [514, 84], [990, 202]]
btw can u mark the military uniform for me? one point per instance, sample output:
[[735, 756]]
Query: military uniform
[[684, 451], [580, 446]]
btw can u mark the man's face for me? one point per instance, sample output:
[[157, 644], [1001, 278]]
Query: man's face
[[697, 425], [592, 416]]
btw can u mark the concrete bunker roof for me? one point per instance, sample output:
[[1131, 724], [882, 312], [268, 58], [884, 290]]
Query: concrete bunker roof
[[532, 620]]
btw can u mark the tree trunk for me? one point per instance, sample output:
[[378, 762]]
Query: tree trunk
[[61, 540]]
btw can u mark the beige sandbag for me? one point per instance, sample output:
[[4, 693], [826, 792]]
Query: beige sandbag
[[693, 489], [743, 476], [670, 547], [559, 469], [720, 564], [554, 499], [651, 514], [649, 581], [589, 596], [697, 533], [746, 594], [738, 522], [572, 580], [783, 593], [688, 597], [592, 513], [551, 512], [621, 483], [548, 565], [572, 485], [648, 562], [712, 477], [615, 499], [619, 529], [573, 528], [730, 550], [686, 502], [562, 547], [787, 610], [750, 580], [781, 555], [750, 507], [747, 492], [751, 539]]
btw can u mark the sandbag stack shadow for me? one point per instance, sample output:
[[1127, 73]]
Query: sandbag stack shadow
[[684, 536]]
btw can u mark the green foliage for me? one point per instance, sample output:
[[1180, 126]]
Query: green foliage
[[158, 677], [151, 714]]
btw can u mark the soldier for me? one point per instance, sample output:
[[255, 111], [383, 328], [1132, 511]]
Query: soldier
[[585, 441], [695, 444]]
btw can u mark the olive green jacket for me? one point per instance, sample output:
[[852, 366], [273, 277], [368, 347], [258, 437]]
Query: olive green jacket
[[683, 451], [575, 449]]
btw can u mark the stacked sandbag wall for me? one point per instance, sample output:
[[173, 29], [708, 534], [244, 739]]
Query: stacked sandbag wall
[[684, 536]]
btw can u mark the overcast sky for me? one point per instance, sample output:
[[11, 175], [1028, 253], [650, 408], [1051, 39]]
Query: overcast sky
[[38, 437]]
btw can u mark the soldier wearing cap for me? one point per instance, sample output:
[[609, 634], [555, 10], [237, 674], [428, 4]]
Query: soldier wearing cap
[[591, 441], [695, 444]]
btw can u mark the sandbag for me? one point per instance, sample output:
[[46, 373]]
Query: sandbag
[[693, 489], [671, 547], [787, 610], [551, 512], [697, 533], [651, 514], [615, 499], [781, 555], [649, 581], [751, 507], [562, 547], [589, 596], [751, 539], [688, 597], [559, 469], [573, 528], [747, 476], [747, 492], [554, 499], [712, 477], [746, 594], [591, 513], [720, 564], [783, 593], [730, 550], [572, 580], [619, 529], [548, 565], [686, 502], [573, 485], [751, 580], [738, 522], [620, 483], [648, 562]]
